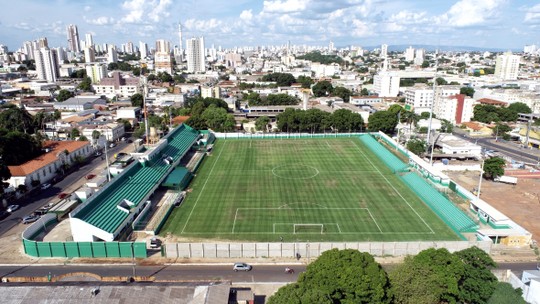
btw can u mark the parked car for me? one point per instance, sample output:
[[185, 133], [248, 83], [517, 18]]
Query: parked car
[[241, 267], [42, 211], [155, 242], [45, 186], [12, 208], [98, 153], [3, 214], [62, 195], [30, 218]]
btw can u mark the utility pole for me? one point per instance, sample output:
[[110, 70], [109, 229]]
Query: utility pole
[[432, 103]]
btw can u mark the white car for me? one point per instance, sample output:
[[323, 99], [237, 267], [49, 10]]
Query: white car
[[45, 186], [242, 267], [12, 208]]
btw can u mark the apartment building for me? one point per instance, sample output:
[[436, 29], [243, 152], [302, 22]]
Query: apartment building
[[455, 108], [507, 66]]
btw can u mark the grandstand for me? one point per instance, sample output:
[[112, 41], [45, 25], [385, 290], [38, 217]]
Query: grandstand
[[108, 215]]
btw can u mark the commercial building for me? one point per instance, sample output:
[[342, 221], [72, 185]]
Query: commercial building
[[96, 72], [117, 86], [507, 66], [46, 64], [73, 38], [195, 53]]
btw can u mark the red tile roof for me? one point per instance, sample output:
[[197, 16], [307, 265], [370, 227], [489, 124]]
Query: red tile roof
[[46, 158], [492, 102]]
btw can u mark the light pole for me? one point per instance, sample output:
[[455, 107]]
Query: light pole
[[480, 179]]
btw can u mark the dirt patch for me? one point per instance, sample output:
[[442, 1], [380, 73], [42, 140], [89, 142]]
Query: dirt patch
[[520, 202]]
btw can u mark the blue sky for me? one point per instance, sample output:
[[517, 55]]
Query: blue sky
[[501, 24]]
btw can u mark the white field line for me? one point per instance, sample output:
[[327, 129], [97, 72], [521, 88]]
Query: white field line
[[234, 223], [387, 181], [374, 220], [339, 228], [202, 189]]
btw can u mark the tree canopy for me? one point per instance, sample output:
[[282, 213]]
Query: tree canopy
[[494, 167], [343, 93], [322, 88], [467, 91], [384, 121], [85, 85], [306, 81], [316, 56], [520, 107], [14, 118], [255, 99], [261, 124], [137, 100], [64, 95], [281, 79], [17, 147], [416, 146], [491, 113], [338, 276]]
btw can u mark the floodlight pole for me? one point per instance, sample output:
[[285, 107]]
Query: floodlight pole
[[432, 103]]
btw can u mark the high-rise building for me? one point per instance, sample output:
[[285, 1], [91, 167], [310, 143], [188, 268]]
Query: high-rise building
[[28, 49], [112, 55], [42, 42], [507, 66], [89, 54], [46, 64], [386, 84], [331, 46], [73, 38], [143, 49], [455, 108], [96, 72], [129, 48], [384, 51], [89, 40], [409, 54], [195, 53], [419, 56], [162, 56], [61, 55]]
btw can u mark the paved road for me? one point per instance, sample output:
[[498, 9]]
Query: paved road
[[509, 149], [260, 273], [43, 197]]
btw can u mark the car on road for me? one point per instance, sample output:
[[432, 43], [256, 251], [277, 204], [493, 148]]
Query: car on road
[[155, 243], [62, 195], [3, 214], [45, 186], [98, 153], [12, 208], [242, 267], [30, 218]]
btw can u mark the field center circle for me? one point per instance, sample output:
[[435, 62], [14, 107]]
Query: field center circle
[[295, 171]]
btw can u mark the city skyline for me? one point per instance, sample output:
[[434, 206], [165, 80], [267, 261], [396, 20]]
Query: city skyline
[[503, 24]]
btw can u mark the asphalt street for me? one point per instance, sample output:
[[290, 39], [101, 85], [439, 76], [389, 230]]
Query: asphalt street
[[259, 273]]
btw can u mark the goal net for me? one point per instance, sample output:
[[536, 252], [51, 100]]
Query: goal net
[[308, 228]]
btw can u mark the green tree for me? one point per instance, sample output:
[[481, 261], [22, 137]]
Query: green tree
[[85, 85], [446, 126], [338, 276], [441, 81], [5, 175], [384, 121], [432, 276], [416, 146], [83, 138], [281, 79], [494, 167], [112, 66], [343, 93], [364, 92], [519, 107], [137, 100], [218, 119], [467, 91], [306, 81], [477, 283], [253, 98], [96, 134], [165, 77], [279, 100], [316, 56], [64, 95], [17, 147], [344, 120], [14, 118], [261, 124], [179, 79], [504, 293], [425, 64], [485, 113], [322, 88], [506, 114], [74, 133]]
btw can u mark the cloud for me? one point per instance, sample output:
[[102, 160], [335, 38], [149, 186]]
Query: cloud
[[246, 15], [533, 14], [139, 10], [87, 8], [286, 6], [470, 12], [103, 20]]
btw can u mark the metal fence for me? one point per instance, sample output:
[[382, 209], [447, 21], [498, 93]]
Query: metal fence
[[309, 250]]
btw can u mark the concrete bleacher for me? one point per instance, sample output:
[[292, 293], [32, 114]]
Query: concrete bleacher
[[135, 184], [445, 209], [392, 161]]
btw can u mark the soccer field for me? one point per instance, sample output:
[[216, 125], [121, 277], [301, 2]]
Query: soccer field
[[332, 189]]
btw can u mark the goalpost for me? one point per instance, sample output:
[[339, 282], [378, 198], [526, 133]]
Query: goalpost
[[308, 228]]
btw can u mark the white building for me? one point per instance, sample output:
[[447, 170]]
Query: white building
[[386, 84], [89, 54], [112, 55], [212, 92], [507, 66], [96, 72], [129, 113], [325, 70], [419, 98], [46, 64], [384, 51], [419, 56], [143, 49], [111, 131], [162, 56], [73, 38], [409, 54], [195, 53], [451, 144], [455, 108]]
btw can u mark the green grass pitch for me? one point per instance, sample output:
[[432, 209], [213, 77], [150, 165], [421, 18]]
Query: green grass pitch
[[330, 190]]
